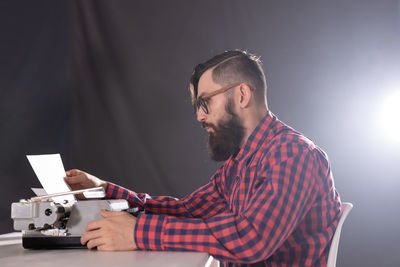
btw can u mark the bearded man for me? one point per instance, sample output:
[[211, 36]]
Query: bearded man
[[272, 203]]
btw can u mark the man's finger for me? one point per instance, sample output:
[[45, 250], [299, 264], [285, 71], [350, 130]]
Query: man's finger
[[89, 236], [76, 179], [94, 225], [72, 172], [95, 243], [107, 214]]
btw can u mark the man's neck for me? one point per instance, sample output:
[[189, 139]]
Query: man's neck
[[250, 122]]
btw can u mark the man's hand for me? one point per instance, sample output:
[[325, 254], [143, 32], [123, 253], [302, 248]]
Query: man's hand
[[114, 232], [77, 180]]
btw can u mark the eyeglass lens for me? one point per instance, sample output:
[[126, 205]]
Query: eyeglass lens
[[201, 103]]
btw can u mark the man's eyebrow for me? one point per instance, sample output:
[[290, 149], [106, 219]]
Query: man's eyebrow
[[201, 95]]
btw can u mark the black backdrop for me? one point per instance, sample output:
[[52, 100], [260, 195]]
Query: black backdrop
[[33, 93], [104, 83]]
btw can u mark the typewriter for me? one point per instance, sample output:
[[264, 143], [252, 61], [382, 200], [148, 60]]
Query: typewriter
[[48, 224]]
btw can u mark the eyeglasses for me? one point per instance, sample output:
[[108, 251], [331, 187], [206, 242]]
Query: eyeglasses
[[201, 102]]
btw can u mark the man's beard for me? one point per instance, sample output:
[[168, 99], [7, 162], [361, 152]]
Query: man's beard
[[226, 138]]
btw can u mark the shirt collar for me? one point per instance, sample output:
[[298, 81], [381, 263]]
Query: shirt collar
[[264, 128]]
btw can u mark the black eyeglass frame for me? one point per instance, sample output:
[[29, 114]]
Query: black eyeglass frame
[[201, 101]]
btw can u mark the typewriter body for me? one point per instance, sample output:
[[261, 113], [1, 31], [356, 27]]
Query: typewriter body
[[47, 224]]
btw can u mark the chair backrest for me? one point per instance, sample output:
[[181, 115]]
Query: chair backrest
[[346, 207]]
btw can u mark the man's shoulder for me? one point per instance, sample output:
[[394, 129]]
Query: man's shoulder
[[287, 136], [286, 142]]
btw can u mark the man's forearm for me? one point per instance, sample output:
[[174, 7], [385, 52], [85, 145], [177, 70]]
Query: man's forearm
[[202, 203], [158, 205], [227, 236]]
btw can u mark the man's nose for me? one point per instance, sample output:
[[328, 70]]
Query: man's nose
[[201, 115]]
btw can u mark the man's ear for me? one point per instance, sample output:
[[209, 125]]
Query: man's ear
[[245, 94]]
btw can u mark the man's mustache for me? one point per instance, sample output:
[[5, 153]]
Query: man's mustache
[[209, 125]]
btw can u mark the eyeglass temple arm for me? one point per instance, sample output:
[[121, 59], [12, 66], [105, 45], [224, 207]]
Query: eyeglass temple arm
[[219, 91]]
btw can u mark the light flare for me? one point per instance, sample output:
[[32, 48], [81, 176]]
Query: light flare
[[390, 115]]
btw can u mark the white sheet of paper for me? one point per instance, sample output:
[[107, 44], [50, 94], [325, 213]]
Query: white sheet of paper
[[50, 171], [39, 191]]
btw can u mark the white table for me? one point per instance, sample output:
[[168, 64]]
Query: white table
[[13, 254]]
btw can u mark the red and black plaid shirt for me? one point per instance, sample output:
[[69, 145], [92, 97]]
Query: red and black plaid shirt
[[274, 204]]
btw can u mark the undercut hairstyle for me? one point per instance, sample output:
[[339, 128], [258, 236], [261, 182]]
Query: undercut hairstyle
[[231, 67]]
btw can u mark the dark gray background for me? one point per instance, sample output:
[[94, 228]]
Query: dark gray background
[[104, 83]]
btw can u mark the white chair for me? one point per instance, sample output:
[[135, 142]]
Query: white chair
[[346, 207], [212, 262]]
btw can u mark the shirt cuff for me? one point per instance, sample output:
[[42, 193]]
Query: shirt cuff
[[112, 191], [149, 231]]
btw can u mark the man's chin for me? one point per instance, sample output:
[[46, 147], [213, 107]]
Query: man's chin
[[224, 140], [217, 153], [218, 157]]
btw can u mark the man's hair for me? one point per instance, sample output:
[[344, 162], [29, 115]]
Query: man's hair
[[231, 67]]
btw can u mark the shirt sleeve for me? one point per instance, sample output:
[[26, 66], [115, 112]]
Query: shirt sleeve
[[283, 191], [202, 203]]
